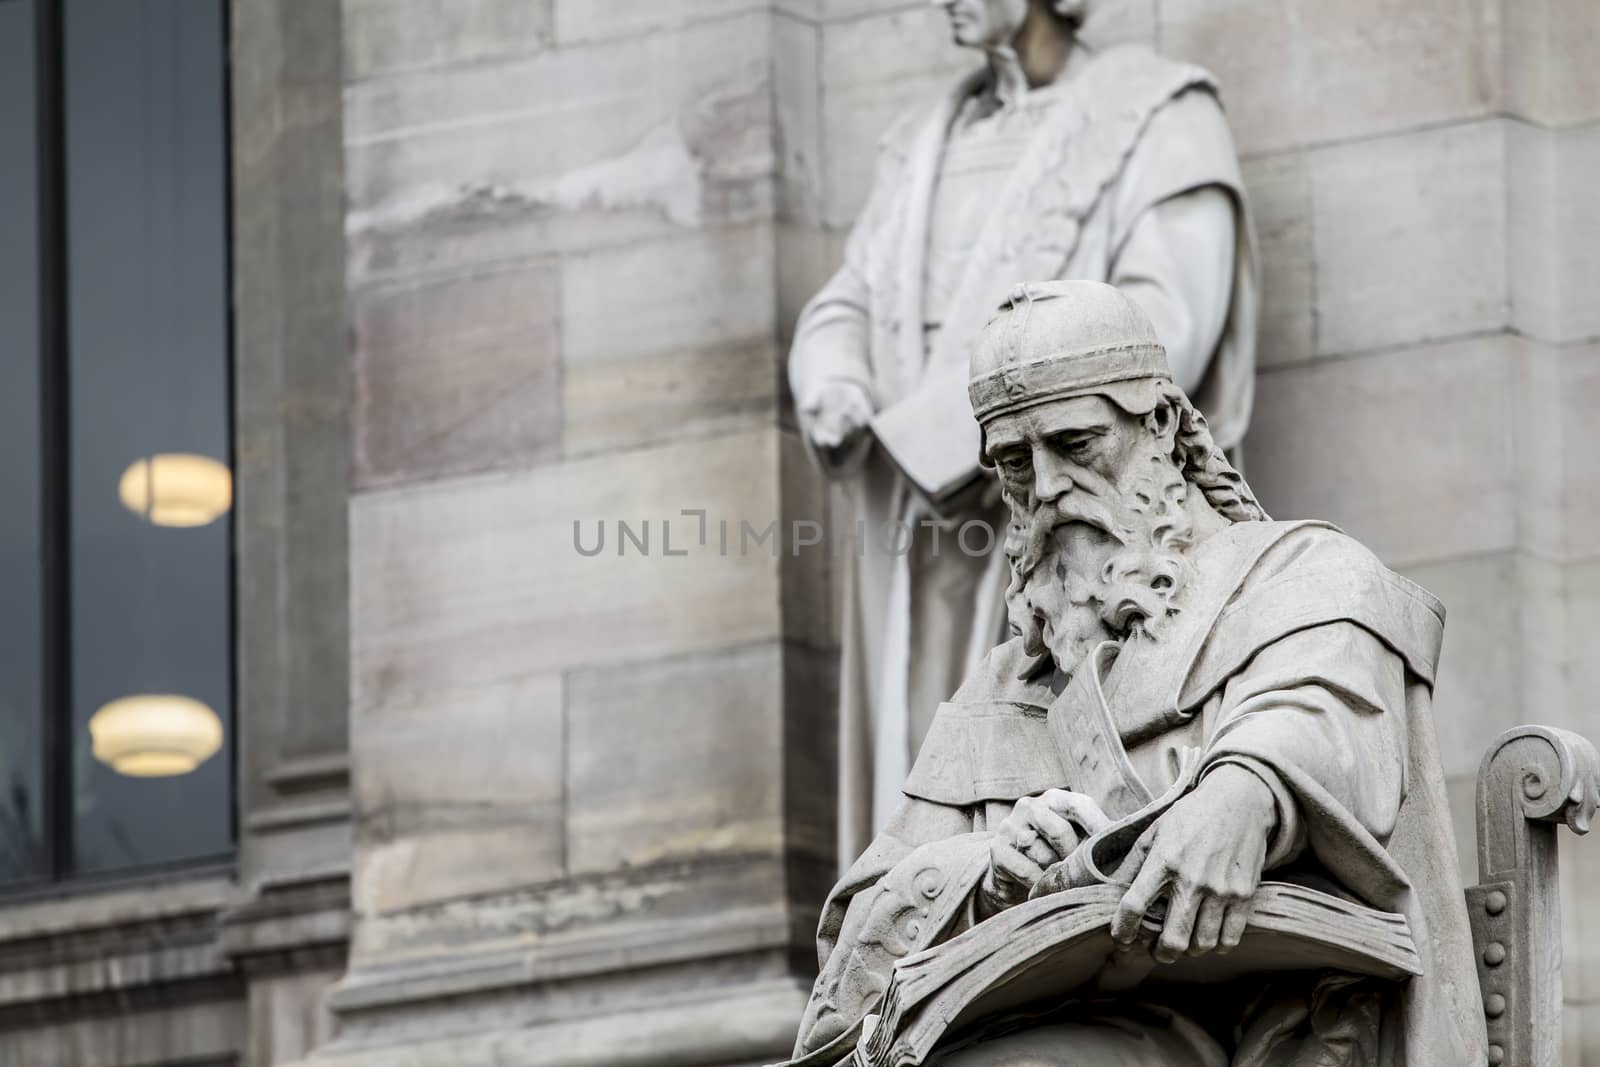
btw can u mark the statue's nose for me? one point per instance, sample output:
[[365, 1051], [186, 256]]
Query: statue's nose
[[1051, 478]]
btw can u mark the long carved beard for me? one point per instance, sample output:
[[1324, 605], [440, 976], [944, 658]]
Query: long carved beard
[[1094, 566]]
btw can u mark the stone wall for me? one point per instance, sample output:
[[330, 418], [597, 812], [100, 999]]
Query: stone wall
[[577, 779]]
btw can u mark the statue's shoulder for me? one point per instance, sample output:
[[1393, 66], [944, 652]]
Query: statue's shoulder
[[1292, 576]]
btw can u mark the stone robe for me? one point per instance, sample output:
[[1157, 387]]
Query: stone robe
[[1097, 193], [1296, 654]]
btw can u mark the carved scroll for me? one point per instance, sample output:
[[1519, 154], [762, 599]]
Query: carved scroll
[[1531, 779]]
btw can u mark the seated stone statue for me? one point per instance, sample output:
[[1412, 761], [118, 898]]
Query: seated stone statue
[[1279, 665]]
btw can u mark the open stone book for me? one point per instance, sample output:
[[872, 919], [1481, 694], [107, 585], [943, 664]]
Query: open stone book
[[1057, 946]]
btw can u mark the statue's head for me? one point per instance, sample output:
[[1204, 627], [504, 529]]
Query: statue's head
[[1097, 451], [996, 23]]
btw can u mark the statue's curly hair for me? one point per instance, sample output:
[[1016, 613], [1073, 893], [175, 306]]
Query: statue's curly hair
[[1206, 467]]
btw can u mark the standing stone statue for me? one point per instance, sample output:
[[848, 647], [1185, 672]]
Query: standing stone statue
[[1194, 813], [1054, 160]]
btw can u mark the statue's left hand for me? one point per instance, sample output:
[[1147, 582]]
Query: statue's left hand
[[1205, 857]]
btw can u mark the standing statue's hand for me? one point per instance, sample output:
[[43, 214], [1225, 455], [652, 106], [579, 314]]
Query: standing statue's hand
[[839, 415], [1040, 831], [1205, 857]]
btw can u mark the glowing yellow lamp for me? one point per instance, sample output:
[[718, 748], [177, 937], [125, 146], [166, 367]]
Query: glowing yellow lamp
[[155, 735], [177, 489]]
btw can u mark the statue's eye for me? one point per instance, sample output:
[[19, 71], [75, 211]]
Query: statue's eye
[[1015, 462]]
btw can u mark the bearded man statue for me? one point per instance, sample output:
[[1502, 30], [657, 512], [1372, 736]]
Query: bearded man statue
[[1278, 666]]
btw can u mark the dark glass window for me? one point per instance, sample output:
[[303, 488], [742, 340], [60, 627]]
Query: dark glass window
[[116, 423]]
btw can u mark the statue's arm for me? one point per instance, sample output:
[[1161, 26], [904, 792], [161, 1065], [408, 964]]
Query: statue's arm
[[1321, 716], [832, 349], [1177, 228]]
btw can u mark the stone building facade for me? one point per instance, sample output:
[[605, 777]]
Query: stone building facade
[[512, 273]]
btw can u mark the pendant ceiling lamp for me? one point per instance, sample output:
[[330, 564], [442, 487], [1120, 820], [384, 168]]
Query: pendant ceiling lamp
[[177, 489], [155, 735]]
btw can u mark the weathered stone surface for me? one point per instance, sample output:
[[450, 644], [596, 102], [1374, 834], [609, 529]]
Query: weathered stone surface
[[1478, 692], [1410, 237], [676, 759], [698, 289], [1557, 475], [1280, 196], [797, 118], [874, 69], [1378, 66], [1302, 72], [477, 580], [460, 793], [749, 1024], [1411, 452], [584, 21], [457, 374], [647, 400], [1552, 61], [389, 37], [1554, 215], [572, 148], [288, 1017]]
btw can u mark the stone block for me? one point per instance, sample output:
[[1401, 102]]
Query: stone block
[[1552, 61], [692, 291], [1410, 237], [1477, 694], [459, 793], [473, 581], [695, 392], [1303, 72], [676, 759], [457, 374], [586, 20], [1554, 217], [1557, 474], [1409, 451], [568, 149], [1279, 188], [1382, 66], [384, 37], [875, 69]]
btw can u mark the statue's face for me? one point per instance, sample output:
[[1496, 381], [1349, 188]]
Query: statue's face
[[985, 23], [1097, 503]]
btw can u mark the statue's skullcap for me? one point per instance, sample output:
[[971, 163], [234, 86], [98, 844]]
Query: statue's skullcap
[[1060, 339]]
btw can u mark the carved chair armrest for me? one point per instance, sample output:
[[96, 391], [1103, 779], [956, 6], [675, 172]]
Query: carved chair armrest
[[1532, 779]]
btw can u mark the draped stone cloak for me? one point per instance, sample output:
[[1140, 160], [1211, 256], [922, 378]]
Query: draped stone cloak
[[1297, 654], [1128, 131]]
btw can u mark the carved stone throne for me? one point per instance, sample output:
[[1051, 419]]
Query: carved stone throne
[[1531, 779]]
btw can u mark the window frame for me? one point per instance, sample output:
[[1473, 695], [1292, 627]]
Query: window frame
[[56, 748]]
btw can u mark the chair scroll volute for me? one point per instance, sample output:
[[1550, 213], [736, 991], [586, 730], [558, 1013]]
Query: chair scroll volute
[[1532, 779]]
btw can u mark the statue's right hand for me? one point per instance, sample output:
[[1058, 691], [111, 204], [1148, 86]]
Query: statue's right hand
[[838, 415], [1039, 832]]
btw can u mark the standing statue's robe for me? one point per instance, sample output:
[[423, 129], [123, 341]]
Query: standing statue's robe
[[1098, 192], [1295, 654]]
